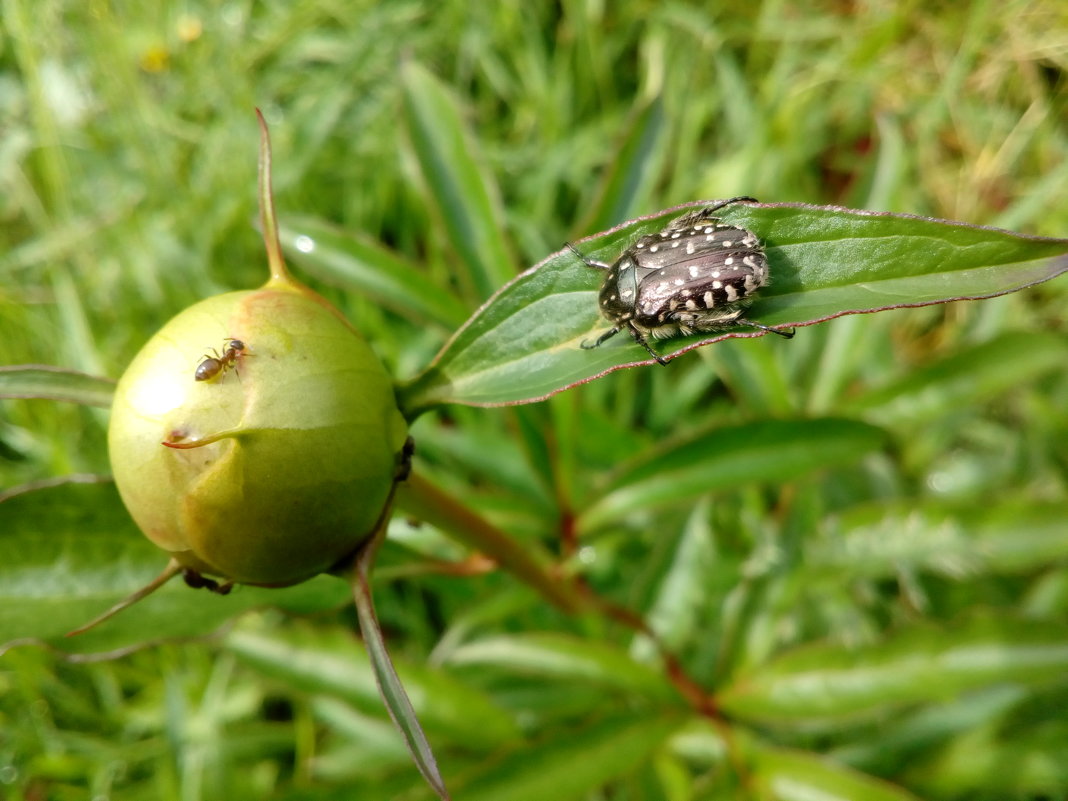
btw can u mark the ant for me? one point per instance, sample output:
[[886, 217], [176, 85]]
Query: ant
[[216, 365]]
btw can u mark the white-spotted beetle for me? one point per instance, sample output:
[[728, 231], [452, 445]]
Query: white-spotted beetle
[[698, 274]]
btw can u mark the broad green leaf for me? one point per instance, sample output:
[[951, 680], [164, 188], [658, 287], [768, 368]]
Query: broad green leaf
[[463, 194], [524, 343], [55, 383], [770, 451], [985, 370], [357, 264], [334, 662], [919, 664], [563, 658], [69, 552], [569, 768]]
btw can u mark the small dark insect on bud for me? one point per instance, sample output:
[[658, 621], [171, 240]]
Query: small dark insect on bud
[[218, 364], [698, 274]]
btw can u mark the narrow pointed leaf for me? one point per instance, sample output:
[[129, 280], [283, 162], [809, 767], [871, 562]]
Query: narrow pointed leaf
[[354, 263], [55, 383], [524, 343], [567, 769], [962, 378], [920, 664], [464, 196], [634, 169], [389, 684], [786, 775], [878, 541], [767, 451], [563, 658], [333, 662]]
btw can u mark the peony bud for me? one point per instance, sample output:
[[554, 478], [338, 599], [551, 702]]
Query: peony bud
[[256, 437], [276, 466]]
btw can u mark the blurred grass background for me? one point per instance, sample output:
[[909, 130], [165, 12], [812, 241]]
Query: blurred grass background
[[127, 191]]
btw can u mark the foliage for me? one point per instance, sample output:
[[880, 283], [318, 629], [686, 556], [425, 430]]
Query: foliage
[[831, 566]]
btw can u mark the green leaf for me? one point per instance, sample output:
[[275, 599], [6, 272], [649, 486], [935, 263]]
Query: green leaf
[[464, 195], [563, 658], [686, 587], [524, 344], [770, 451], [787, 775], [634, 170], [332, 661], [389, 683], [71, 551], [974, 764], [356, 263], [920, 664], [570, 768], [959, 380], [877, 541], [55, 383]]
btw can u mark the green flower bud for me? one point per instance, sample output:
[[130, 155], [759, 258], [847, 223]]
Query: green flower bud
[[256, 437]]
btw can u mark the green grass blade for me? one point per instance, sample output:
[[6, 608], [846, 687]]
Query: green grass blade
[[55, 383], [463, 193], [635, 169], [358, 264]]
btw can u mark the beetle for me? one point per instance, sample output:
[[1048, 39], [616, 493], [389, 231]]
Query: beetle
[[213, 366], [698, 274]]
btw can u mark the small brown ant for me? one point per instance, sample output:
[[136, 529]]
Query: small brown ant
[[216, 365]]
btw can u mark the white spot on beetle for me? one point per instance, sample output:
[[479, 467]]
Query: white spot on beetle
[[710, 300]]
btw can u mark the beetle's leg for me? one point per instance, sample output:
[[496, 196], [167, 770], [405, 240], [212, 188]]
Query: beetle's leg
[[597, 265], [707, 210], [784, 334], [607, 335], [639, 337]]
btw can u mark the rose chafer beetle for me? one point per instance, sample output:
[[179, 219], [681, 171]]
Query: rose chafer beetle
[[698, 274]]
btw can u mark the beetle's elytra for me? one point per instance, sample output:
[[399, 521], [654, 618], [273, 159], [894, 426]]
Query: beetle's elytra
[[698, 274]]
